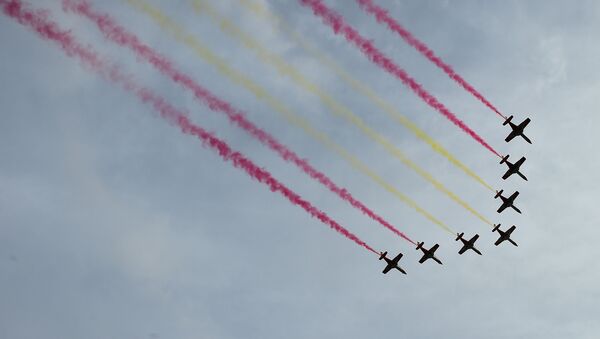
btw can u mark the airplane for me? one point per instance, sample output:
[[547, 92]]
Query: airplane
[[507, 202], [516, 129], [513, 168], [428, 253], [391, 263], [504, 235], [467, 244]]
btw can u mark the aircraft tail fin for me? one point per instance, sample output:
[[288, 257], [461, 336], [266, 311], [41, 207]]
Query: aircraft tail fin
[[419, 245], [382, 255], [459, 236], [504, 159], [496, 227], [498, 193], [507, 120]]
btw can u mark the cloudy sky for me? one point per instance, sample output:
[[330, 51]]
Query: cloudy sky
[[115, 225]]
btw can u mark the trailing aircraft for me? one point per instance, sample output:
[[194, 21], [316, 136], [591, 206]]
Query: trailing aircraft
[[516, 129], [513, 168], [467, 244], [507, 202], [391, 263], [504, 235], [428, 253]]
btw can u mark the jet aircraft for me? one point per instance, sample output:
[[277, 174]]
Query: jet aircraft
[[516, 129], [513, 168], [428, 253], [391, 263], [507, 202], [504, 235], [467, 244]]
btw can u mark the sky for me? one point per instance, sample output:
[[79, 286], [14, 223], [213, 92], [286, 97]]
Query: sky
[[113, 224]]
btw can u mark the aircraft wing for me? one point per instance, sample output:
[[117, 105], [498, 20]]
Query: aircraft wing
[[387, 268], [519, 162], [507, 174], [463, 249], [500, 240], [503, 207], [423, 258], [475, 237], [511, 136], [513, 196], [524, 124], [397, 258], [434, 248], [511, 229]]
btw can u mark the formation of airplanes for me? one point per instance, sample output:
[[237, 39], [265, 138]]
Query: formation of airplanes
[[469, 244]]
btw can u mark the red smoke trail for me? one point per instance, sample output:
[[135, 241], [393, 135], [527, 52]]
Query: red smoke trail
[[382, 16], [119, 35], [337, 23], [38, 20]]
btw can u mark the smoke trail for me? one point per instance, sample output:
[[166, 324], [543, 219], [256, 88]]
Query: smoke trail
[[49, 30], [335, 106], [119, 35], [382, 16], [360, 87], [191, 41], [339, 26]]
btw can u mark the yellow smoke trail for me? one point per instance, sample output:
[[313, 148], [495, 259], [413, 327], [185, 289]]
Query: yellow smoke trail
[[204, 53], [336, 107], [358, 86]]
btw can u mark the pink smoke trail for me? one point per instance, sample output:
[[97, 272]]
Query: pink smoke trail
[[121, 36], [339, 26], [383, 16], [39, 21]]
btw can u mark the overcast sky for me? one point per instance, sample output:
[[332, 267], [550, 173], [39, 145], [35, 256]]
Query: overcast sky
[[115, 225]]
